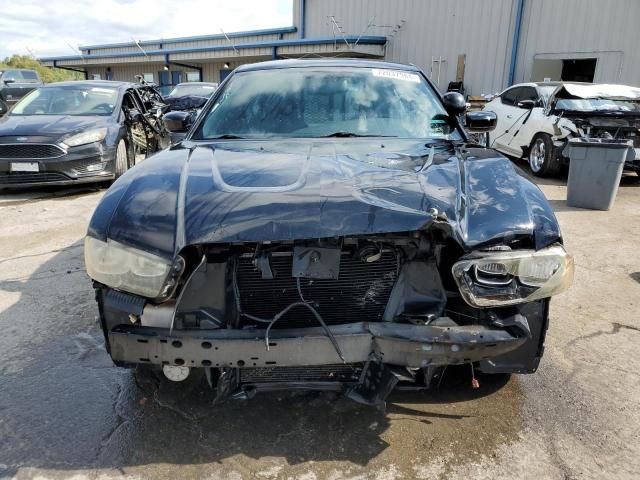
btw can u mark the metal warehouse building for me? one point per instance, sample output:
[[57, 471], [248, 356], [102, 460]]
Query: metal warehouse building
[[488, 44]]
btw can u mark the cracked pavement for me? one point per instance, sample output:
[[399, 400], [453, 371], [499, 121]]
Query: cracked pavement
[[67, 412]]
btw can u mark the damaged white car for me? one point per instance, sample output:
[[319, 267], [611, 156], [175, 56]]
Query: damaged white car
[[536, 121]]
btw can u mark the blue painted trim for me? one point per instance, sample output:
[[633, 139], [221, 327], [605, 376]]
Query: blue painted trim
[[369, 40], [302, 17], [516, 41], [218, 36]]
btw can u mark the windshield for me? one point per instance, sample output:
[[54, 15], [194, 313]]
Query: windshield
[[324, 101], [68, 101], [598, 105], [196, 90]]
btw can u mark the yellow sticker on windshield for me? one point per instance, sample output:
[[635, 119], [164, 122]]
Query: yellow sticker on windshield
[[396, 75]]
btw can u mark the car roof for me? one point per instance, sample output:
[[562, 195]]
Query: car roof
[[93, 83], [329, 62]]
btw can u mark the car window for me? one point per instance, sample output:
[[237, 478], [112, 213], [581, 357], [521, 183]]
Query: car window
[[527, 93], [68, 101], [30, 76], [509, 97], [322, 101], [14, 75]]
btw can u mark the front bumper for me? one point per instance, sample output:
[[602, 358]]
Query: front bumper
[[416, 346], [84, 164]]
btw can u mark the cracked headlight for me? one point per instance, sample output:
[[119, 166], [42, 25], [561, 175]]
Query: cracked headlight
[[497, 278], [90, 136], [130, 269]]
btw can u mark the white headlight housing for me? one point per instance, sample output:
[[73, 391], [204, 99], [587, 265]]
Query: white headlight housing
[[90, 136], [130, 269], [498, 278]]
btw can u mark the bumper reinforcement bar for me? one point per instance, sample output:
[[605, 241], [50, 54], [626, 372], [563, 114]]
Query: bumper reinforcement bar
[[393, 343]]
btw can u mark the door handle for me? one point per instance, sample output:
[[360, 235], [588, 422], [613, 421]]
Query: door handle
[[509, 116]]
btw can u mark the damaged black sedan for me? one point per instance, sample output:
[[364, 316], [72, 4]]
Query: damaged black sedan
[[70, 133], [326, 224]]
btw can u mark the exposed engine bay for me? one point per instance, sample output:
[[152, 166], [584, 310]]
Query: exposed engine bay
[[598, 111], [146, 128], [357, 315]]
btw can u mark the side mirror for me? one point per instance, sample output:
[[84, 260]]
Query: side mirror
[[481, 122], [178, 122], [527, 104], [8, 81], [454, 103]]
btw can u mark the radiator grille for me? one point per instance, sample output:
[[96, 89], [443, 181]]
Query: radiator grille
[[360, 294], [16, 178], [30, 151], [323, 373]]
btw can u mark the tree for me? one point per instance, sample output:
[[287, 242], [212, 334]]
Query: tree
[[47, 74]]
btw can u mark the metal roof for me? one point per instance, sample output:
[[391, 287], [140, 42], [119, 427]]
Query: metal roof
[[217, 36], [351, 39]]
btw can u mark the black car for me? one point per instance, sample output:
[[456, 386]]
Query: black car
[[15, 83], [326, 224], [190, 95], [76, 132]]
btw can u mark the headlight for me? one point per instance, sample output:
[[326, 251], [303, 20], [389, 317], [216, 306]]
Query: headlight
[[498, 278], [130, 269], [83, 138]]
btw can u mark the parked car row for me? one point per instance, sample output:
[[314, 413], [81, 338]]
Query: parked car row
[[77, 132]]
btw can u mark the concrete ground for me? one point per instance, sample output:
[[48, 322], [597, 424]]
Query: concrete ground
[[67, 412]]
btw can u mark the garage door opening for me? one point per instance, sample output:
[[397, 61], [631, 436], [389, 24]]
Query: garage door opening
[[567, 69], [579, 70]]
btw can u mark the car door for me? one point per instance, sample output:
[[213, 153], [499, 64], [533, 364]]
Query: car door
[[508, 112], [532, 122]]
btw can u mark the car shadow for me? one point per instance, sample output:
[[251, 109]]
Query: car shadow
[[65, 406], [23, 196]]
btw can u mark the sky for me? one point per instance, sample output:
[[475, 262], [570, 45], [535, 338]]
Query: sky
[[57, 27]]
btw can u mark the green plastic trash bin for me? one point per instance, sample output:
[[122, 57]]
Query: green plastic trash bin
[[595, 168]]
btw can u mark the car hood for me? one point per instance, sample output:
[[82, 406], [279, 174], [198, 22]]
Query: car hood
[[248, 191], [52, 126]]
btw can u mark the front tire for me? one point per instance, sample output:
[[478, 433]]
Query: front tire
[[122, 158], [542, 156]]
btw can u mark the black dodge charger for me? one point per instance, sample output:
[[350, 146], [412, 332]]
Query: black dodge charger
[[326, 224], [76, 132]]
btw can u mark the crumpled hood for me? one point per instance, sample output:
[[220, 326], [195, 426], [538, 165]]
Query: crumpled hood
[[599, 90], [53, 126], [246, 191]]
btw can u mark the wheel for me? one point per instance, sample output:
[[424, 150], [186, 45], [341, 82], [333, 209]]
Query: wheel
[[542, 156], [122, 158]]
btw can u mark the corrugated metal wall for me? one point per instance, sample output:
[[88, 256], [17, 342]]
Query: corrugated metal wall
[[428, 33], [432, 33], [602, 29], [210, 71], [422, 31]]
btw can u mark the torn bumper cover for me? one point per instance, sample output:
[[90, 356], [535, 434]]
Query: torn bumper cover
[[415, 346]]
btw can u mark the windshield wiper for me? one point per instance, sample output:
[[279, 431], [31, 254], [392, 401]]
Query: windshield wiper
[[351, 134]]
